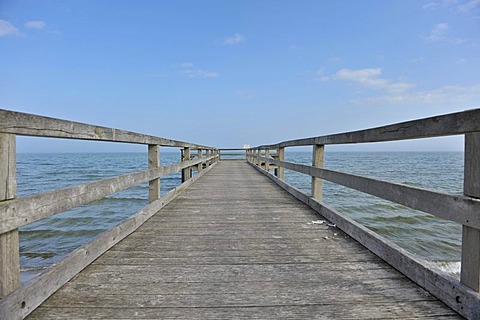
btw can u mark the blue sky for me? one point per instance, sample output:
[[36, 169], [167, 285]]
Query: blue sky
[[225, 73]]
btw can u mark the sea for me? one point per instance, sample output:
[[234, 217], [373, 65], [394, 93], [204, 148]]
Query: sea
[[46, 242]]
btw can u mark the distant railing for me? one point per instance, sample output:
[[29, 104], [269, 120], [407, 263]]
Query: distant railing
[[462, 296], [18, 301], [232, 154]]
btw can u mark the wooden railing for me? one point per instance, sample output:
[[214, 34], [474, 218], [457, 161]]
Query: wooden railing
[[462, 296], [18, 301], [232, 154]]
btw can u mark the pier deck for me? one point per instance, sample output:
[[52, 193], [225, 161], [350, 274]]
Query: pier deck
[[235, 245]]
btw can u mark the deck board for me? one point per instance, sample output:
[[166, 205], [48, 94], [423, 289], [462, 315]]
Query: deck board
[[235, 245]]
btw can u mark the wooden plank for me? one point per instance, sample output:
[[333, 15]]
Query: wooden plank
[[24, 300], [267, 155], [461, 209], [153, 163], [317, 162], [187, 172], [9, 241], [444, 125], [470, 268], [320, 311], [25, 124], [281, 157], [447, 289]]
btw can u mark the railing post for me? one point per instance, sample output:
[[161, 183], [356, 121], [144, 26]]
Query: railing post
[[317, 162], [281, 157], [9, 242], [153, 162], [267, 155], [187, 172], [470, 269], [199, 155]]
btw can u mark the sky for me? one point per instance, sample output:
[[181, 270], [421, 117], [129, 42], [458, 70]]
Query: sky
[[228, 73]]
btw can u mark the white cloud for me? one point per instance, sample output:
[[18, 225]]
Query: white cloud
[[462, 96], [199, 73], [235, 39], [459, 6], [191, 72], [368, 78], [245, 94], [36, 24], [8, 29], [430, 5], [438, 32], [469, 6]]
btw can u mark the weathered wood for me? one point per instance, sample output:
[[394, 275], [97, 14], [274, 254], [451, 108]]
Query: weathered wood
[[9, 241], [153, 163], [155, 273], [319, 311], [200, 156], [461, 209], [24, 300], [445, 125], [267, 155], [470, 268], [317, 162], [187, 172], [449, 290], [281, 157], [32, 125], [22, 211]]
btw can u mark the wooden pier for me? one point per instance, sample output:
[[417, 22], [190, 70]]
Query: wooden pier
[[236, 246], [234, 241]]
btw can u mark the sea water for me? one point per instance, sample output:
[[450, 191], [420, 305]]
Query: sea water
[[47, 241]]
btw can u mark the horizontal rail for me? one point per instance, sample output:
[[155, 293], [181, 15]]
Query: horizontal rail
[[25, 124], [22, 211], [444, 125], [461, 209]]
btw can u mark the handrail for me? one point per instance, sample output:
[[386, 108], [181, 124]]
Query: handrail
[[243, 154], [445, 125], [22, 211], [463, 209], [19, 301], [24, 124]]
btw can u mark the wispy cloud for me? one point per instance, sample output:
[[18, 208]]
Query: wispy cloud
[[456, 5], [35, 24], [369, 78], [438, 32], [235, 39], [466, 96], [191, 71], [245, 94], [469, 6], [441, 33], [8, 29]]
